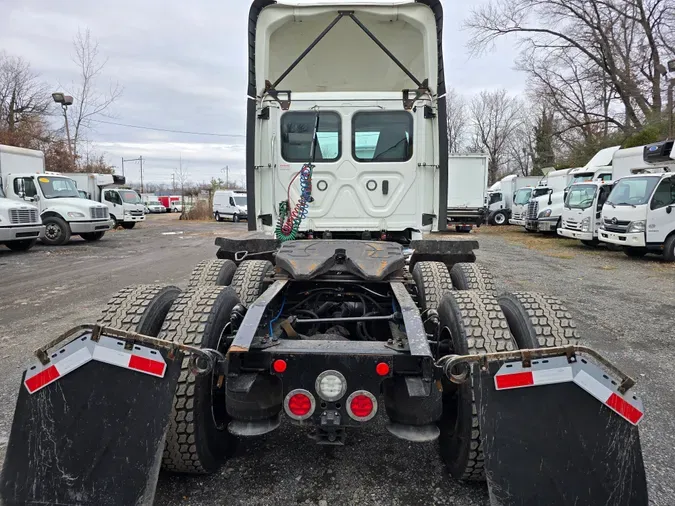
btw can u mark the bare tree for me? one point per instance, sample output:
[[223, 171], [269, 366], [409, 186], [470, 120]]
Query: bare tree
[[495, 118], [23, 96], [182, 180], [623, 40], [90, 102], [457, 121]]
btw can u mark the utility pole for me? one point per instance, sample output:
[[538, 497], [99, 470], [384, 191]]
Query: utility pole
[[226, 170], [139, 159]]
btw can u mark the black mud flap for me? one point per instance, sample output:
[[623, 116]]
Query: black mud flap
[[559, 433], [89, 426]]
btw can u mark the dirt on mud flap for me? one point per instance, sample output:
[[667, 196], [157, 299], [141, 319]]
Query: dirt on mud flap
[[90, 422], [559, 431]]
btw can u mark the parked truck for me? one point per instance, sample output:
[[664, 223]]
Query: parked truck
[[502, 194], [638, 214], [337, 333], [20, 224], [124, 205], [467, 195], [62, 211]]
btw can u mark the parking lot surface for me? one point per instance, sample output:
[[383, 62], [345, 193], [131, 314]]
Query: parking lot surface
[[625, 309]]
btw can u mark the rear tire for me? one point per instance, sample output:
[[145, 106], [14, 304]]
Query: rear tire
[[538, 321], [591, 244], [249, 279], [213, 272], [235, 218], [24, 245], [471, 276], [635, 252], [217, 217], [433, 281], [140, 308], [197, 439], [92, 236], [474, 323], [57, 231], [128, 225]]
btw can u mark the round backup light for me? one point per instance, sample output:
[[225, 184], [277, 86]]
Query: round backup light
[[331, 385], [299, 404], [361, 406]]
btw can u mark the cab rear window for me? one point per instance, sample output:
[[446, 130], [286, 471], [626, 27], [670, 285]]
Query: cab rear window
[[382, 136], [297, 129]]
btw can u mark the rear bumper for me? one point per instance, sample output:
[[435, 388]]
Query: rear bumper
[[87, 227], [575, 234], [20, 233], [633, 240]]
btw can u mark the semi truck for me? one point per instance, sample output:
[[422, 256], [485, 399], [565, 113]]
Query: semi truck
[[638, 215], [124, 205], [467, 195], [62, 211], [501, 196], [315, 321]]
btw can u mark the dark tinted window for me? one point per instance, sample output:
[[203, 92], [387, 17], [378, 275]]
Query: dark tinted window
[[664, 195], [382, 136], [297, 129]]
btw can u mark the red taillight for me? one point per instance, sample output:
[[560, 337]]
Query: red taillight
[[362, 406], [299, 404], [382, 369], [279, 366]]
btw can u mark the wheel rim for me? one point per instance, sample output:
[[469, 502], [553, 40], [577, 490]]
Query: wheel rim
[[500, 219], [52, 231]]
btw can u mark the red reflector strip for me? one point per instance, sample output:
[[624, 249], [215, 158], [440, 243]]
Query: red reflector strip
[[42, 379], [623, 408], [515, 380], [146, 365]]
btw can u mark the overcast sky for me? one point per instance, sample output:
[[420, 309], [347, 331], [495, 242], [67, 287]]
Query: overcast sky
[[183, 67]]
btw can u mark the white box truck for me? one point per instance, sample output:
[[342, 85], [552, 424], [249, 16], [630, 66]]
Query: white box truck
[[20, 224], [467, 190], [62, 210], [502, 194], [639, 213], [124, 206]]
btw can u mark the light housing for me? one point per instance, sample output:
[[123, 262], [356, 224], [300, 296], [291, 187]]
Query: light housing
[[76, 215], [299, 404], [331, 385], [545, 213], [586, 224], [637, 226], [361, 406]]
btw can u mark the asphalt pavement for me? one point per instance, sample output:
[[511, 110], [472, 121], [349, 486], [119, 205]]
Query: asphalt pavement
[[625, 308]]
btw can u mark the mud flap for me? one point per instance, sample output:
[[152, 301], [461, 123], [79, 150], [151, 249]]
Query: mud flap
[[558, 433], [89, 426]]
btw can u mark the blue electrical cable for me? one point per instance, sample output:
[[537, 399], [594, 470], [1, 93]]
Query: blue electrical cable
[[283, 303]]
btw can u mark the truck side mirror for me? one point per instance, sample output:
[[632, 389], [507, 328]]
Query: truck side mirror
[[550, 197], [21, 188]]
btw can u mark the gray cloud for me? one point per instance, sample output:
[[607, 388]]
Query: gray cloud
[[183, 67]]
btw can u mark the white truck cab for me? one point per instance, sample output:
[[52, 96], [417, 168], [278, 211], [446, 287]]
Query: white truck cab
[[20, 224], [638, 214], [501, 197], [62, 211], [582, 213], [124, 205], [380, 163], [230, 204]]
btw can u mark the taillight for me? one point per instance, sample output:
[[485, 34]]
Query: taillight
[[361, 405], [331, 386], [299, 404]]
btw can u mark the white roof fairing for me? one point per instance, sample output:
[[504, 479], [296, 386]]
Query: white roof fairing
[[346, 59]]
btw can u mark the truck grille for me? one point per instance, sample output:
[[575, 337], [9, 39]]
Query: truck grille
[[99, 213], [136, 213], [23, 216], [517, 216], [572, 225], [532, 210], [619, 226]]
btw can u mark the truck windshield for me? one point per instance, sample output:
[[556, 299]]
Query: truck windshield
[[522, 196], [240, 201], [58, 187], [634, 191], [582, 178], [130, 197], [538, 192], [581, 196]]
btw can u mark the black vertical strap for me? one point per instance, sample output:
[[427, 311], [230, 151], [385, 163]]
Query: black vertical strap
[[256, 8]]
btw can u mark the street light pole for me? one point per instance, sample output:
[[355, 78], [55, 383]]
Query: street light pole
[[226, 169], [139, 159], [65, 100]]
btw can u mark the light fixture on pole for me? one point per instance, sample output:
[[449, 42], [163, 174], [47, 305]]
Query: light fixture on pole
[[65, 101]]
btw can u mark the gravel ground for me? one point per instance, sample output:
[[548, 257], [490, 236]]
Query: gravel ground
[[625, 308]]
